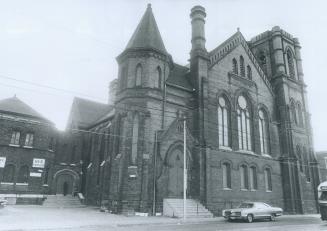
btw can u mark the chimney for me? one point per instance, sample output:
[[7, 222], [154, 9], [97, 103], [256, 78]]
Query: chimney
[[112, 91], [198, 15]]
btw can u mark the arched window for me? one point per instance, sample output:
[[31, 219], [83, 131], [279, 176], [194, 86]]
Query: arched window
[[23, 174], [46, 176], [123, 83], [135, 138], [244, 177], [242, 67], [248, 72], [8, 173], [306, 164], [294, 114], [158, 78], [244, 124], [223, 122], [263, 131], [300, 114], [73, 155], [268, 182], [253, 178], [138, 75], [290, 63], [227, 183], [262, 61], [300, 157], [235, 68]]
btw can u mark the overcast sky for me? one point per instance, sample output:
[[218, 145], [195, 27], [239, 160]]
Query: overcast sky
[[71, 45]]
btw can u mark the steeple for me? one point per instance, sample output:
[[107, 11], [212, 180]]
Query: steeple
[[147, 34]]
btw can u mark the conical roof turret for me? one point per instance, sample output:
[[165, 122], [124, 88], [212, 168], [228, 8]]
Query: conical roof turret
[[147, 34]]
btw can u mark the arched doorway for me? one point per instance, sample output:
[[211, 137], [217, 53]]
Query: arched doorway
[[175, 175], [66, 182]]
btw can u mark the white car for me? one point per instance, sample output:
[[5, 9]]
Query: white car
[[250, 211]]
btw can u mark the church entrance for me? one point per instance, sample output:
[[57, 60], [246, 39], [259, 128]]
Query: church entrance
[[175, 183], [65, 188], [66, 182]]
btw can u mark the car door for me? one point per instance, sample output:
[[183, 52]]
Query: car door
[[261, 210]]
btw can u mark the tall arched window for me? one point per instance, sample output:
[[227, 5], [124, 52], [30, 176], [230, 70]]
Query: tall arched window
[[135, 138], [300, 157], [268, 182], [227, 176], [138, 75], [290, 63], [23, 174], [235, 67], [262, 61], [248, 72], [300, 114], [158, 78], [242, 67], [294, 114], [263, 131], [253, 178], [244, 177], [8, 173], [123, 82], [244, 124], [223, 122]]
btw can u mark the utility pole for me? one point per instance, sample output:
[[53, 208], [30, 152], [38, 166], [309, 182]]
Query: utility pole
[[185, 172]]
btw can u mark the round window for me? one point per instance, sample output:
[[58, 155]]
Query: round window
[[222, 101], [242, 102]]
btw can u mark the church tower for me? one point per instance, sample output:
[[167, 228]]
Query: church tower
[[279, 56], [143, 68]]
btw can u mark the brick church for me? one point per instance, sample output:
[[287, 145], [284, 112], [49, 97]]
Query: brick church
[[248, 130]]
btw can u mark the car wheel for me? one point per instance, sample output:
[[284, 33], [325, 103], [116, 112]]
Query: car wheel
[[273, 217], [249, 218]]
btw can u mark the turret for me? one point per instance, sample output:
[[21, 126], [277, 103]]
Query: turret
[[198, 15], [278, 51]]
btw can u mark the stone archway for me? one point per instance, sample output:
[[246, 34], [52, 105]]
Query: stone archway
[[66, 182]]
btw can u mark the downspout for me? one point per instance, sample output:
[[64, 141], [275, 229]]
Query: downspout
[[154, 174]]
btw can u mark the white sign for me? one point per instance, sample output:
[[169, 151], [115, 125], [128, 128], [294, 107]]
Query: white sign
[[35, 174], [38, 163], [2, 162]]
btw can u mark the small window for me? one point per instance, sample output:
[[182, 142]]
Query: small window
[[290, 62], [249, 72], [244, 177], [138, 77], [242, 68], [15, 138], [51, 144], [253, 178], [9, 173], [227, 176], [29, 140], [23, 174], [235, 68], [268, 180]]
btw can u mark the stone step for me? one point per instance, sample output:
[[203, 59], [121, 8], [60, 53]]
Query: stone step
[[175, 207]]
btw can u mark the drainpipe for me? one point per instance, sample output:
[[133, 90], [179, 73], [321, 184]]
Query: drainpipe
[[154, 175]]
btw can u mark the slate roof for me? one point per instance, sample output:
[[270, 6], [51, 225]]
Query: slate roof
[[85, 112], [15, 106], [147, 34], [179, 76]]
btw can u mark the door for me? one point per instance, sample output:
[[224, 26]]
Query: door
[[175, 185], [65, 188]]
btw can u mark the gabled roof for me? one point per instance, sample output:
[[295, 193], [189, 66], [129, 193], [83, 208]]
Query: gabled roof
[[84, 112], [15, 106], [147, 34], [179, 76]]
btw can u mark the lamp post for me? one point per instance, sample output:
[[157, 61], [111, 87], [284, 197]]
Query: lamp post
[[185, 173]]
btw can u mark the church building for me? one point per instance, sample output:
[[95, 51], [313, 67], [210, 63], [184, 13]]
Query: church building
[[248, 131]]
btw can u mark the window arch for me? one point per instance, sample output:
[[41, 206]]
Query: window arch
[[263, 132], [227, 183], [138, 75], [135, 138], [248, 72], [244, 124], [235, 68], [253, 178], [158, 78], [263, 61], [223, 122], [290, 62], [23, 174], [300, 114], [268, 183], [242, 68], [8, 173], [244, 177]]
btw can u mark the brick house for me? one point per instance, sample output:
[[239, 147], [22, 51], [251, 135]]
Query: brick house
[[248, 127], [26, 149]]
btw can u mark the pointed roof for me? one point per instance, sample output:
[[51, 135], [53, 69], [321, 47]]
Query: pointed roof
[[14, 105], [147, 34]]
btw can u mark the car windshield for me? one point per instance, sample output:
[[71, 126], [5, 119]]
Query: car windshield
[[245, 205]]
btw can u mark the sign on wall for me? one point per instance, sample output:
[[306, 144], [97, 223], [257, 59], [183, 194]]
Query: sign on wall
[[35, 174], [2, 162], [38, 163]]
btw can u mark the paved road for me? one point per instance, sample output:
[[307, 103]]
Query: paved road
[[26, 218]]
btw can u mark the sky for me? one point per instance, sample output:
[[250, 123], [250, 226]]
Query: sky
[[53, 50]]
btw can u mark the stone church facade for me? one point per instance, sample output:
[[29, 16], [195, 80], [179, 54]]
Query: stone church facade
[[248, 127]]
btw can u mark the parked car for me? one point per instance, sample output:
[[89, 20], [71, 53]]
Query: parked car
[[250, 211], [3, 203]]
